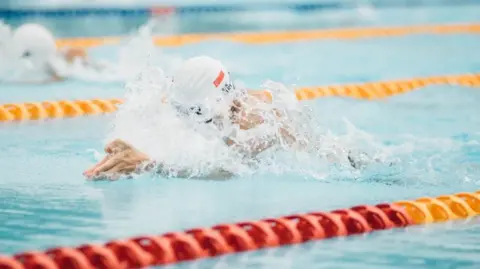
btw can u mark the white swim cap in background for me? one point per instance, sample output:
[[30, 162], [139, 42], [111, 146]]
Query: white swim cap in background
[[34, 43], [199, 80], [5, 34]]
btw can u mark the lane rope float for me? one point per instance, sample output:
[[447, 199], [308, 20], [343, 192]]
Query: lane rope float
[[378, 90], [56, 109], [222, 239], [276, 37], [368, 91]]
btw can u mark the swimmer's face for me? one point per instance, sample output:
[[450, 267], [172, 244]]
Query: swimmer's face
[[224, 106], [204, 113], [32, 59], [26, 54]]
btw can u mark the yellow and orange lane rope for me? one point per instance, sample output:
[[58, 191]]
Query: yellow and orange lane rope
[[377, 90], [223, 239], [369, 91], [289, 36], [56, 109]]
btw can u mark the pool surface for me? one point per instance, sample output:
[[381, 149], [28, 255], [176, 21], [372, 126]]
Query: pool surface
[[433, 134]]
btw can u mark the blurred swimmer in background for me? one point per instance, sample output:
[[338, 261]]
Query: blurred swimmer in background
[[30, 51], [205, 98]]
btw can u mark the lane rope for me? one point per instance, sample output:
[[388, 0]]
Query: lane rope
[[275, 37], [56, 109], [367, 91], [383, 89], [222, 239]]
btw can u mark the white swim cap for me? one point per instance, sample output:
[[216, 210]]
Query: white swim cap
[[200, 80], [34, 42]]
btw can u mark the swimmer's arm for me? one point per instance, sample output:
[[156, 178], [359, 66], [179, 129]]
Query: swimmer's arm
[[98, 66], [252, 147], [284, 131], [255, 119], [29, 82], [54, 76], [219, 174], [123, 159], [256, 146]]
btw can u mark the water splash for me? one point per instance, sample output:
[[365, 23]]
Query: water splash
[[5, 41], [317, 152], [134, 54], [154, 128], [9, 64]]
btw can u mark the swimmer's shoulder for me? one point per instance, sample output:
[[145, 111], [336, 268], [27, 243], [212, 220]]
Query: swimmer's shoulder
[[263, 96]]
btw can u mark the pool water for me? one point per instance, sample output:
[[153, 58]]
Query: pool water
[[112, 25], [45, 201]]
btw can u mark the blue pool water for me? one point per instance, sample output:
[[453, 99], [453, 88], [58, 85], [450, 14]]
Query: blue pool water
[[46, 202]]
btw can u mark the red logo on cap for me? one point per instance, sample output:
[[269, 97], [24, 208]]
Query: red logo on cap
[[219, 79]]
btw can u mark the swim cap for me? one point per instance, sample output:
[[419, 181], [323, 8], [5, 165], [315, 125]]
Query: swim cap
[[200, 80], [5, 49], [35, 43], [5, 34]]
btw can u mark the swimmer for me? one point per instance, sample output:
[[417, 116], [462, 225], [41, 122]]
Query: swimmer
[[202, 89], [34, 49]]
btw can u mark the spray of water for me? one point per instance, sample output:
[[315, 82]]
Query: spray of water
[[10, 65], [155, 128], [135, 52]]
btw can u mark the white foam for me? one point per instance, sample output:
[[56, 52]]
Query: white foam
[[134, 54], [153, 127], [319, 153]]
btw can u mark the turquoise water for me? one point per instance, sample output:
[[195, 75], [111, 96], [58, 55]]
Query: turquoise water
[[46, 202], [65, 26]]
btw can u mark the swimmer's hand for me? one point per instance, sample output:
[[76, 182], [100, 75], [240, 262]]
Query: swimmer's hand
[[121, 159], [248, 117]]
